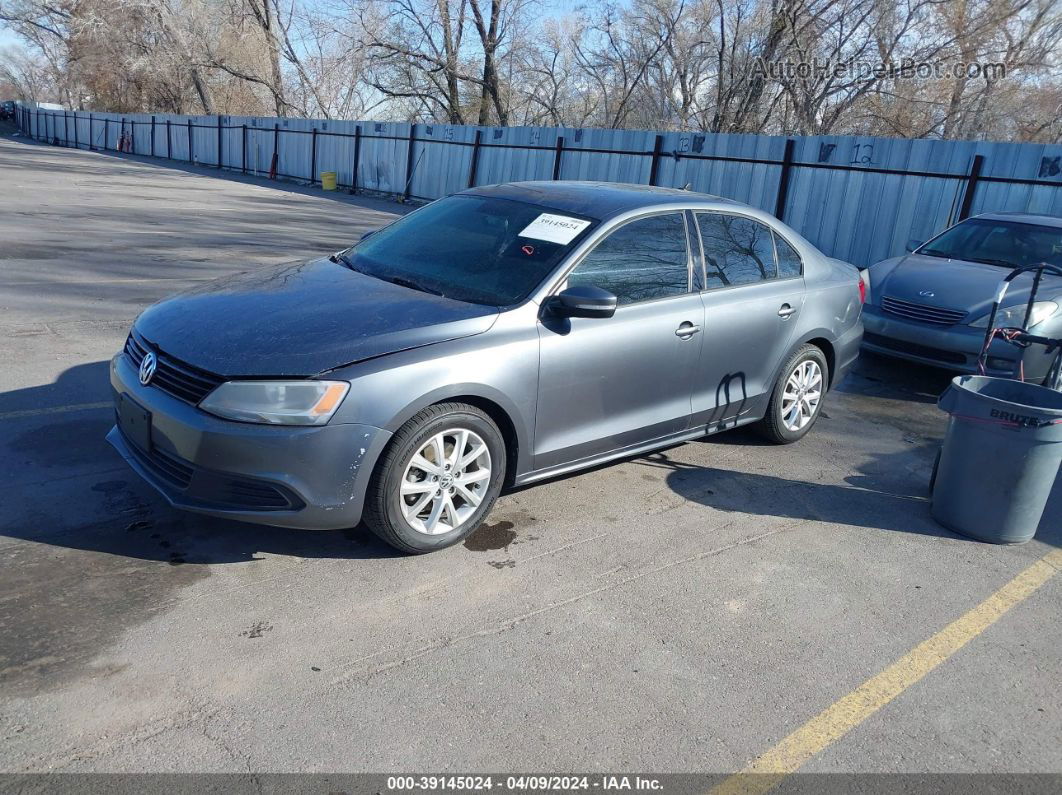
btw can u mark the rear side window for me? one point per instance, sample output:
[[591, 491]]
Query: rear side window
[[736, 250], [640, 261], [788, 259]]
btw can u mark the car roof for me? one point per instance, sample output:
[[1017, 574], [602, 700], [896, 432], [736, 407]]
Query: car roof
[[1024, 218], [595, 199]]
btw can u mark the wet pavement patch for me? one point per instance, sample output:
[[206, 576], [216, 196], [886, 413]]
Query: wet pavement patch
[[258, 628], [62, 606], [490, 537]]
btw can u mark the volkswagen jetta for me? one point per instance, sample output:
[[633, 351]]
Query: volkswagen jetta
[[498, 336]]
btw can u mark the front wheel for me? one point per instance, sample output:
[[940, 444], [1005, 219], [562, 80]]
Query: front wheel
[[437, 480], [797, 397]]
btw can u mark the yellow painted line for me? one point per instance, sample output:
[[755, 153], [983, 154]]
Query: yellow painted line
[[13, 415], [768, 769]]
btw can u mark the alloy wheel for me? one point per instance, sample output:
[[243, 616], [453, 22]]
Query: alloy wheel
[[445, 481], [802, 394]]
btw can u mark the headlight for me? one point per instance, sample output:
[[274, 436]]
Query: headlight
[[1014, 316], [277, 402]]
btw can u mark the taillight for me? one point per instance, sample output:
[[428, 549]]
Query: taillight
[[862, 291]]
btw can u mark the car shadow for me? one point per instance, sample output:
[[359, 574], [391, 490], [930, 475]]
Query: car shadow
[[879, 376], [867, 498]]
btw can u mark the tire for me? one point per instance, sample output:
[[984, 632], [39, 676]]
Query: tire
[[780, 429], [439, 508]]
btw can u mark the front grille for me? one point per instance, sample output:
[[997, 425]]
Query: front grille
[[215, 488], [175, 471], [173, 376], [914, 349], [253, 494], [926, 314]]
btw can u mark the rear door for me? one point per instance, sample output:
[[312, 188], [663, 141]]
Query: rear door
[[754, 293], [609, 383]]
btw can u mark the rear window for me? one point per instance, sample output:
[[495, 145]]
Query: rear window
[[737, 250]]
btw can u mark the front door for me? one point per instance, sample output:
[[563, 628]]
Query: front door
[[610, 383]]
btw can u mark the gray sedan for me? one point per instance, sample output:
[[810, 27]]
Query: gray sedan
[[500, 336], [932, 305]]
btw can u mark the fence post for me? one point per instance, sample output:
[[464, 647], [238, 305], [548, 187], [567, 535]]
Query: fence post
[[37, 126], [275, 164], [106, 132], [472, 166], [357, 159], [557, 152], [77, 143], [152, 136], [169, 142], [409, 162], [66, 129], [313, 156], [971, 187], [654, 165], [783, 180], [243, 146], [219, 141], [191, 158]]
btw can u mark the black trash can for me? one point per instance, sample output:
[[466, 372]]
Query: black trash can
[[1000, 457]]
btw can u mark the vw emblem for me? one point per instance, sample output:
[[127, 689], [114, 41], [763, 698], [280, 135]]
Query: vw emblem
[[147, 368], [928, 294]]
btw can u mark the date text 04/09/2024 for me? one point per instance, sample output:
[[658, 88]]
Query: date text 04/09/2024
[[545, 783]]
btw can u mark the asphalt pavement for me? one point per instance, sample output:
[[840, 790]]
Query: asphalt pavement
[[679, 612]]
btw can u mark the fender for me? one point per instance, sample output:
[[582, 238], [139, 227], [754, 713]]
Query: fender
[[803, 339], [520, 462]]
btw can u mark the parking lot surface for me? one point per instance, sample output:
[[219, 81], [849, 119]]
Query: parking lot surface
[[683, 611]]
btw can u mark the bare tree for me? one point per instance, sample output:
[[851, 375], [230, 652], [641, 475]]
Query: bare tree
[[774, 66], [415, 54]]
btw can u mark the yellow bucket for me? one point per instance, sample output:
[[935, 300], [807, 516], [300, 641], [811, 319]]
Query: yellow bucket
[[328, 180]]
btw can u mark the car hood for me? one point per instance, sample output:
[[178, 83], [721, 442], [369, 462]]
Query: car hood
[[955, 284], [303, 319]]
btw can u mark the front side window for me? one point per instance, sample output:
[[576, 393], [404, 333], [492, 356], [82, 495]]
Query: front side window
[[640, 261], [472, 248], [1005, 243], [736, 250]]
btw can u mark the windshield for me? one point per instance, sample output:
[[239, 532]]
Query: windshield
[[471, 248], [1009, 244]]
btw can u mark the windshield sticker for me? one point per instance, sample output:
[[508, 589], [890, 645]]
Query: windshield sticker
[[554, 228]]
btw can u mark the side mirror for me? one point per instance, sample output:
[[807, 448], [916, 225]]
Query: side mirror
[[584, 300], [912, 244]]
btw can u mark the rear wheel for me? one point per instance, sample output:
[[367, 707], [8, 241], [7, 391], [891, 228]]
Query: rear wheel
[[797, 397], [438, 479]]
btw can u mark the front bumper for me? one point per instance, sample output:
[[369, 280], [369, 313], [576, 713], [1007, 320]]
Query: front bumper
[[954, 348], [289, 476]]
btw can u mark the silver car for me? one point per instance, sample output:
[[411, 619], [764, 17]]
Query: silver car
[[499, 336], [932, 304]]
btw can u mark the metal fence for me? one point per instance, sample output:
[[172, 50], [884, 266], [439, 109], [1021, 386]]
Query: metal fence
[[857, 199]]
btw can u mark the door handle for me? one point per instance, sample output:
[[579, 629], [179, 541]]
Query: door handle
[[786, 311], [686, 330]]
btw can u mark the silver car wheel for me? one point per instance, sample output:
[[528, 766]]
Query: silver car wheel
[[802, 394], [445, 481]]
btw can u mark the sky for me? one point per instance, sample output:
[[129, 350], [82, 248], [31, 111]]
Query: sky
[[7, 38]]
